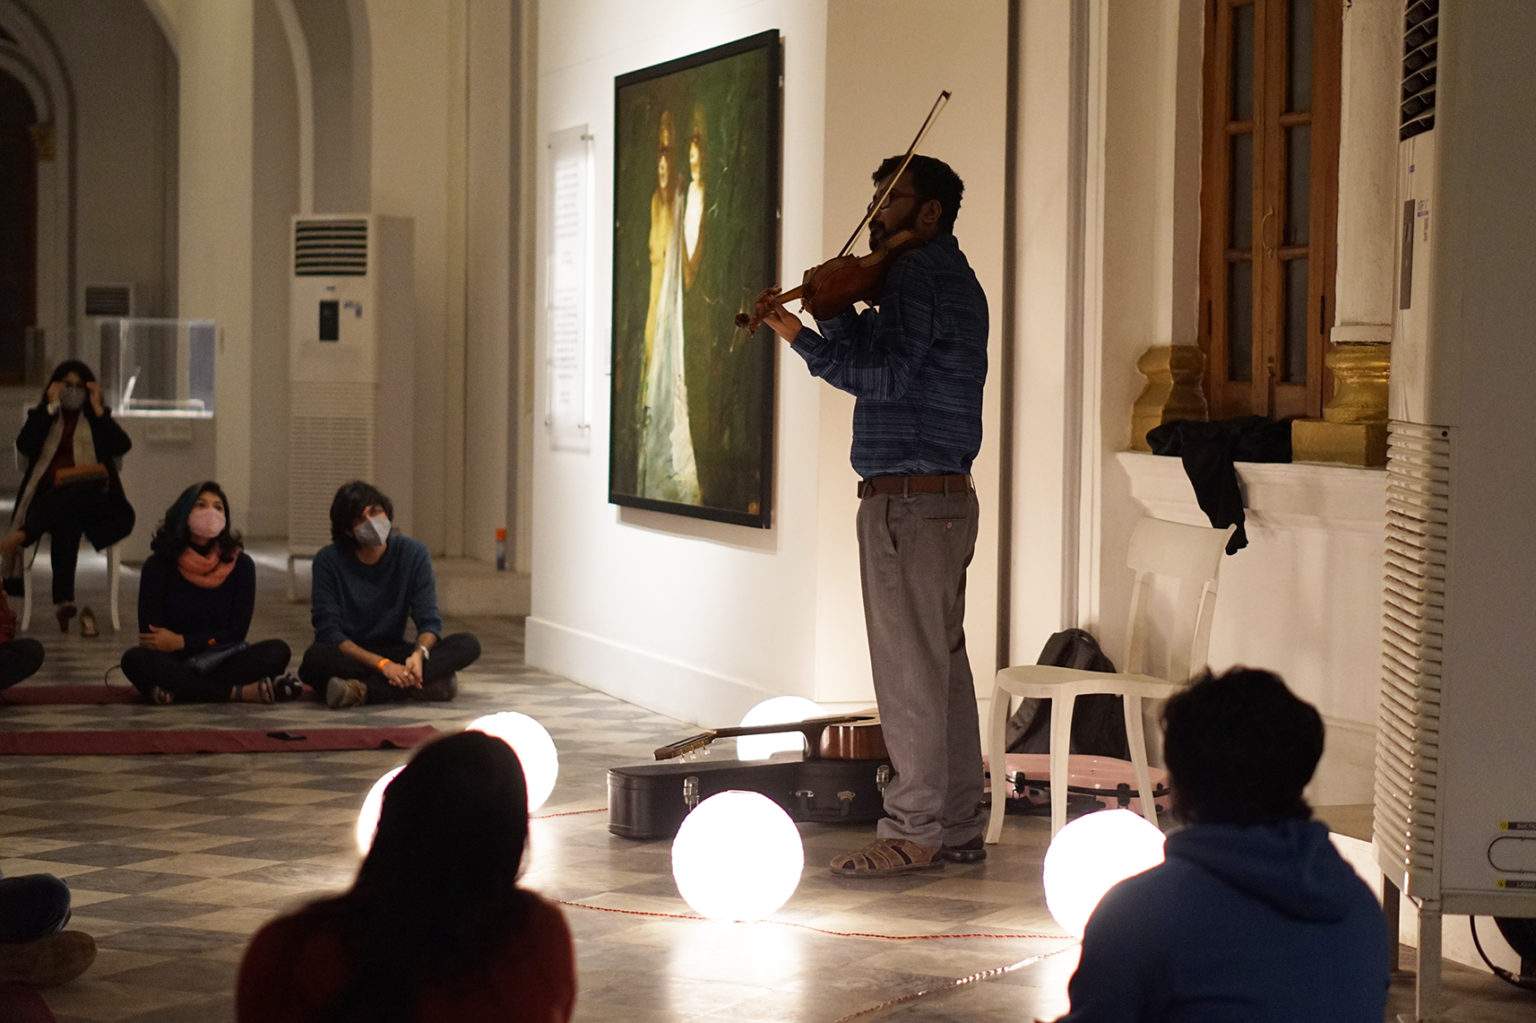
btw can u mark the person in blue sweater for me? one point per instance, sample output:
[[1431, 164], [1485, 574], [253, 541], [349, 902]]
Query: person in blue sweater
[[366, 582], [1253, 917], [197, 593]]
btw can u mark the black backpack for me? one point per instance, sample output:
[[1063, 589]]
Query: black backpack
[[1098, 721]]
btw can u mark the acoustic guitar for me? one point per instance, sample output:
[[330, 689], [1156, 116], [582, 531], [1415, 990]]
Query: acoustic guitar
[[844, 737]]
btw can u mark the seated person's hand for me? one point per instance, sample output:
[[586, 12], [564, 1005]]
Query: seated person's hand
[[398, 675], [161, 639], [414, 665]]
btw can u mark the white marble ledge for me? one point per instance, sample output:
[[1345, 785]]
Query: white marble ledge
[[1294, 495]]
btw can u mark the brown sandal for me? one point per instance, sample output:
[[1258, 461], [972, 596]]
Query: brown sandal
[[887, 857]]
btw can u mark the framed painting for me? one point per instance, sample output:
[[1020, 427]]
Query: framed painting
[[695, 238]]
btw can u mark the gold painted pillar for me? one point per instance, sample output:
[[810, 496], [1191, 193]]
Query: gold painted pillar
[[1353, 429], [1173, 391]]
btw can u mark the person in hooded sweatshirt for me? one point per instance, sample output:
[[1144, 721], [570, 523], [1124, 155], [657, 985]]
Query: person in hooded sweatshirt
[[1253, 917]]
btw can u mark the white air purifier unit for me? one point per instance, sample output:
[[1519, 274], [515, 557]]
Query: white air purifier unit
[[1455, 811], [352, 346]]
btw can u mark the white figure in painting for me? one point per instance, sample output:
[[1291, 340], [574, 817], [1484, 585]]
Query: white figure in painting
[[667, 469]]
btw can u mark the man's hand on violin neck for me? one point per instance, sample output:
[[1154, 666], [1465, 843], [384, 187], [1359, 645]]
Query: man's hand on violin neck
[[780, 320]]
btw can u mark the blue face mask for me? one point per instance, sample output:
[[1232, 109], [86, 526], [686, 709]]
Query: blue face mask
[[374, 532]]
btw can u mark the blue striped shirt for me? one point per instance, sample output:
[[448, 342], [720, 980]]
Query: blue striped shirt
[[916, 364]]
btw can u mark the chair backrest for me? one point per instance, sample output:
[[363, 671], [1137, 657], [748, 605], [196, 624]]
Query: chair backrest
[[1190, 556]]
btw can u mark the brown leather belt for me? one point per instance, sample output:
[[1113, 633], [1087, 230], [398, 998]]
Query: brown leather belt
[[907, 485]]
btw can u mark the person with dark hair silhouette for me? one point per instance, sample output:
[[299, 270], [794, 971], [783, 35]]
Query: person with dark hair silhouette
[[435, 927], [1253, 916], [71, 488], [365, 584], [197, 593]]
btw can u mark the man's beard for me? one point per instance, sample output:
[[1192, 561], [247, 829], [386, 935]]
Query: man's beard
[[878, 233]]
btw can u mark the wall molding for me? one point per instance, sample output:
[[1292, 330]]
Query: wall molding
[[1276, 495], [638, 676]]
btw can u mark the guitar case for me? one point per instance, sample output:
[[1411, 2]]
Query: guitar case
[[651, 800]]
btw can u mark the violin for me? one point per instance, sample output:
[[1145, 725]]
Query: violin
[[834, 286]]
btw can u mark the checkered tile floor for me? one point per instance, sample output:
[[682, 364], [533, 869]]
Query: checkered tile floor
[[175, 860]]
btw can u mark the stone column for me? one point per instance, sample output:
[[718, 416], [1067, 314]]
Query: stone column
[[1354, 423]]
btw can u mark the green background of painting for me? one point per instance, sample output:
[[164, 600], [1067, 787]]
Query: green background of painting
[[729, 391]]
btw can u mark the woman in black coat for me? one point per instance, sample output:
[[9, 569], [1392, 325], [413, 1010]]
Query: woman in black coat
[[71, 487], [196, 595]]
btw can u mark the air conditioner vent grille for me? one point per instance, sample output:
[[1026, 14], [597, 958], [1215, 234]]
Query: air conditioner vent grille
[[326, 447], [1421, 44], [1412, 655], [108, 300], [330, 248]]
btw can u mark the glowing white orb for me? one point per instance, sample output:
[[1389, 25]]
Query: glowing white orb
[[737, 857], [368, 816], [775, 711], [533, 746], [1090, 856]]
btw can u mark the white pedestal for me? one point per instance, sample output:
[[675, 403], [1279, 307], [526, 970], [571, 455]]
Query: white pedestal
[[170, 453]]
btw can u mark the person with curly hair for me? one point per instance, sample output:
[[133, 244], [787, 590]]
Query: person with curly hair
[[367, 581]]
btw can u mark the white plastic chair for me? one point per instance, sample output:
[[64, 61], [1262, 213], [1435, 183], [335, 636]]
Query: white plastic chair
[[114, 569], [1192, 556]]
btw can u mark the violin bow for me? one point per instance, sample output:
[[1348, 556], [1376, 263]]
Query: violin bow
[[744, 321], [879, 204]]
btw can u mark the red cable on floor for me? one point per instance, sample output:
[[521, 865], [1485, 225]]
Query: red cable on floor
[[958, 982], [991, 935]]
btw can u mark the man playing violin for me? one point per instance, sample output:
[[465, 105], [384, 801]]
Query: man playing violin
[[916, 362]]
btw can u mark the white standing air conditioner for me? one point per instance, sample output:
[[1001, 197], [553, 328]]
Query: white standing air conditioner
[[1455, 812], [352, 333]]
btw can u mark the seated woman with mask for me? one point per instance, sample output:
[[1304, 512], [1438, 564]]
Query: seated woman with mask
[[71, 488], [366, 582], [196, 596]]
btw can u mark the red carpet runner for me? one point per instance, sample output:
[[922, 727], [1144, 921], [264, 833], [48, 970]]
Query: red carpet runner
[[40, 696], [210, 740]]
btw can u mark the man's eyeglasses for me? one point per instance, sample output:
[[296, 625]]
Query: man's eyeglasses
[[871, 208]]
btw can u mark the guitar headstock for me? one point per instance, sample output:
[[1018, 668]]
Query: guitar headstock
[[683, 747]]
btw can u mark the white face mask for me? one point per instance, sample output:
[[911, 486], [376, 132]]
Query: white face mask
[[205, 523], [374, 532]]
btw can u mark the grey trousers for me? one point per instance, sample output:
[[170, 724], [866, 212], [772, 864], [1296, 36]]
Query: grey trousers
[[913, 553]]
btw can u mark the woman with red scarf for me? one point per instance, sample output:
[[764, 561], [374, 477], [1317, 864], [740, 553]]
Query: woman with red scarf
[[196, 595]]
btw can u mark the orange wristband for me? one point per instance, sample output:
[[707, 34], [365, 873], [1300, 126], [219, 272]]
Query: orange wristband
[[382, 661]]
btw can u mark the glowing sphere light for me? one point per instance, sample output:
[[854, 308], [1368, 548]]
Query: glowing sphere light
[[1090, 856], [778, 710], [737, 857], [533, 746], [368, 816]]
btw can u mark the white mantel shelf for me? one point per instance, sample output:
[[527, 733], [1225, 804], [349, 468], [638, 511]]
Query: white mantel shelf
[[1293, 495]]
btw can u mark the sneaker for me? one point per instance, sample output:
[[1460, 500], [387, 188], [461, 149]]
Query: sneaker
[[47, 962], [341, 693]]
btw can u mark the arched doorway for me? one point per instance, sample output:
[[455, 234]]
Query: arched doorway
[[18, 226]]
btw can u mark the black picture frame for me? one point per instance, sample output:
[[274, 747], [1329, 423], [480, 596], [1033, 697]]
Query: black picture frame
[[725, 107]]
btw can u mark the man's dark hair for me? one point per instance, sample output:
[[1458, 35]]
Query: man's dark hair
[[931, 179], [350, 502], [1240, 748]]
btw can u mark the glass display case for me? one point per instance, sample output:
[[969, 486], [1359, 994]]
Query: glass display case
[[159, 367]]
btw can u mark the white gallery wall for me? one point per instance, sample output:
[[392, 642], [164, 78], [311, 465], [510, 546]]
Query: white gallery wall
[[886, 64], [693, 618]]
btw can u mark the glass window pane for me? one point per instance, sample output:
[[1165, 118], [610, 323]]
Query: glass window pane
[[1242, 63], [1298, 183], [1241, 193], [1240, 321], [1300, 50], [1296, 321]]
